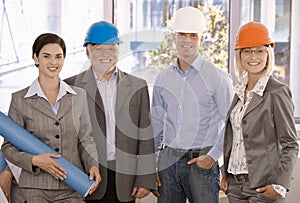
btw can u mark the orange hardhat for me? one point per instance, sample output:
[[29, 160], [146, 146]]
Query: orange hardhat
[[253, 34]]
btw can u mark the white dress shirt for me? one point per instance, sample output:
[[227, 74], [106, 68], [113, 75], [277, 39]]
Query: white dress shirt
[[107, 90]]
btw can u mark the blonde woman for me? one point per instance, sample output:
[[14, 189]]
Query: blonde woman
[[260, 145]]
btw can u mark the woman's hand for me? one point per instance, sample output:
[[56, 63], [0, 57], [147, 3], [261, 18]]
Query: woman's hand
[[224, 184], [268, 191], [45, 162], [94, 175], [5, 183]]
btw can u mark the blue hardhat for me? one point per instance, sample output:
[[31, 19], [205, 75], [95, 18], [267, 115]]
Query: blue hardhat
[[102, 33]]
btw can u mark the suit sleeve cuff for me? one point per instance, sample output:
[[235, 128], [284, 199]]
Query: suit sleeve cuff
[[280, 190]]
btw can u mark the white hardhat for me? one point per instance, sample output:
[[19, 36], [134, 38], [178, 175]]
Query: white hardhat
[[188, 20]]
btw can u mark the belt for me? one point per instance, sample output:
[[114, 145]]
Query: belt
[[187, 154], [239, 178]]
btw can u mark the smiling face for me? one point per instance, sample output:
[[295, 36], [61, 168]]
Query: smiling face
[[103, 57], [254, 60], [187, 46], [50, 61]]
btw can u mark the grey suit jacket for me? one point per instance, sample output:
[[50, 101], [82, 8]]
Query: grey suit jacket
[[135, 162], [68, 133], [269, 135]]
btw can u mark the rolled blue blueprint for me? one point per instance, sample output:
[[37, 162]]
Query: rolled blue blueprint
[[3, 163], [26, 142]]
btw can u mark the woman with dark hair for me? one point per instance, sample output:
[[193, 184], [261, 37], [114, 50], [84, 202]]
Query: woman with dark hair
[[57, 114]]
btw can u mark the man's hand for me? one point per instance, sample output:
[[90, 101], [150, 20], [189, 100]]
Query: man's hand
[[5, 183], [94, 175], [140, 192], [204, 161], [268, 191], [155, 192], [46, 162]]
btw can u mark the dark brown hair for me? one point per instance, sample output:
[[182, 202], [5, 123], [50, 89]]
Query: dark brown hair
[[47, 38]]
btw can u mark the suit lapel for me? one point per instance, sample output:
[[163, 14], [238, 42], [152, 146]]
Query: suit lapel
[[86, 80], [41, 105], [65, 105], [233, 103], [123, 90], [89, 84], [256, 100]]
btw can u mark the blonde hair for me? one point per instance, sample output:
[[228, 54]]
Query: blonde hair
[[240, 72]]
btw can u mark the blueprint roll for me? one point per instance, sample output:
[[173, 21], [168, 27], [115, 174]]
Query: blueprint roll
[[26, 142], [2, 162]]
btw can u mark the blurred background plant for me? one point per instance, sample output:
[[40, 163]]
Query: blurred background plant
[[214, 47]]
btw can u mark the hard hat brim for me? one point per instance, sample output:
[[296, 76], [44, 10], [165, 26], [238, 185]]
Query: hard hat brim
[[107, 42]]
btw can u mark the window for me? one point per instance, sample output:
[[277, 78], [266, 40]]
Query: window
[[23, 20], [142, 24], [148, 41], [278, 16]]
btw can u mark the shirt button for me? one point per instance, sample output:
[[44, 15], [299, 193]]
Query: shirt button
[[57, 136], [249, 161], [244, 122], [56, 123]]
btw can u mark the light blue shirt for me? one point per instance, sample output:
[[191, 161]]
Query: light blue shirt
[[107, 90], [189, 109], [35, 89]]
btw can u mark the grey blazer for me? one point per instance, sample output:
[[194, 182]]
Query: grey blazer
[[68, 133], [135, 162], [269, 136]]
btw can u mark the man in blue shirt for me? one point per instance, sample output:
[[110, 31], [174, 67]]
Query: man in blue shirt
[[189, 108]]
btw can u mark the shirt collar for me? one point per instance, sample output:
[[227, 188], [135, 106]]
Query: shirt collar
[[113, 77], [259, 88], [196, 65], [35, 89]]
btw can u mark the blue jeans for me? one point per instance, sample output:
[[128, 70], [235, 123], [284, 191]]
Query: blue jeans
[[180, 181]]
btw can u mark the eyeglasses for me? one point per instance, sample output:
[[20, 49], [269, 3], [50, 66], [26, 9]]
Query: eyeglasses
[[258, 52]]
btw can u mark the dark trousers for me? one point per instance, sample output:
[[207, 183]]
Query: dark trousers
[[110, 194], [239, 191]]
